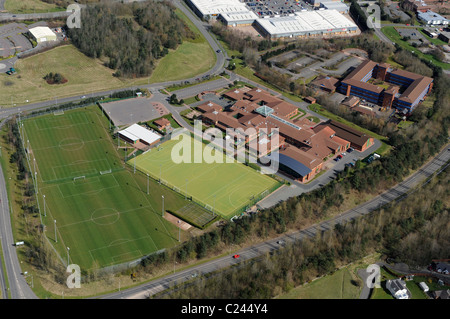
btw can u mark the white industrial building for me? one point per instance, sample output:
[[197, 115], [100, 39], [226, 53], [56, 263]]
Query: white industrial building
[[43, 34], [306, 24], [136, 133], [431, 18], [211, 9]]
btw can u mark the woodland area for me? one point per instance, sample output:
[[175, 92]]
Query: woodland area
[[129, 38], [413, 231]]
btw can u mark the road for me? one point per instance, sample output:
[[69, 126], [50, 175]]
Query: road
[[18, 286]]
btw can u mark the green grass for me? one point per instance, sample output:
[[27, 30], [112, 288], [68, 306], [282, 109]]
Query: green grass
[[191, 58], [336, 286], [84, 75], [105, 219], [30, 6], [225, 187], [393, 35], [188, 60]]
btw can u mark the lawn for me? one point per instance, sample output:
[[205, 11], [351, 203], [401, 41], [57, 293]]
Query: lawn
[[191, 58], [226, 188], [106, 217], [84, 75], [337, 286], [187, 61], [30, 6]]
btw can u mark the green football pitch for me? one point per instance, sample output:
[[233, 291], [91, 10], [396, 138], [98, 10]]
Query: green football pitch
[[96, 211], [224, 187]]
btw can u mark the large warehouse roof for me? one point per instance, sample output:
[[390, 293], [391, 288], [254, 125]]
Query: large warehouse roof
[[306, 21], [42, 32], [209, 7], [136, 132]]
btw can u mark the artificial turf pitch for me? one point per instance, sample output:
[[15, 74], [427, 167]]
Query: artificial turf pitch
[[226, 188], [105, 219]]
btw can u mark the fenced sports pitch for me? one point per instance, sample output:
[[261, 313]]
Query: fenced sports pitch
[[224, 188], [96, 212]]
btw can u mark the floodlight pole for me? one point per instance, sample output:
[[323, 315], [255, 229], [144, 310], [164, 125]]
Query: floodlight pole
[[56, 238], [68, 257], [148, 184], [35, 179], [45, 212], [162, 205]]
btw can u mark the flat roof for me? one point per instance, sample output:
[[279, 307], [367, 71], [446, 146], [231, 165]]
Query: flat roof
[[231, 17], [306, 21], [136, 132], [430, 15], [209, 7], [42, 32]]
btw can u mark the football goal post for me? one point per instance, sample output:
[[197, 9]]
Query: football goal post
[[79, 178], [109, 171]]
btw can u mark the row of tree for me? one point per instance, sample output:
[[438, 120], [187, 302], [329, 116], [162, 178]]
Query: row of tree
[[413, 231]]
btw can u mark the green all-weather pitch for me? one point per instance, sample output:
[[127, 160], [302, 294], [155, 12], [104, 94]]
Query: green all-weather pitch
[[222, 187], [96, 211]]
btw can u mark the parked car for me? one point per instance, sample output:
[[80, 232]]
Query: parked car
[[236, 256]]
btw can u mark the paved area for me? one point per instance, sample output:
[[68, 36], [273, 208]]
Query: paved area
[[12, 40], [130, 111], [310, 65], [296, 188]]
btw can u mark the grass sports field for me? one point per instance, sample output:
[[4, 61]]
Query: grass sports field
[[102, 210], [224, 187]]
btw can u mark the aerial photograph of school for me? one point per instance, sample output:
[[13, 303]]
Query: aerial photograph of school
[[224, 150]]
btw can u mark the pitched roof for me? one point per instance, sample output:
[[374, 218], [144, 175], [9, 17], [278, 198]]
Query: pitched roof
[[209, 106], [325, 82], [347, 133], [162, 122], [415, 89]]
